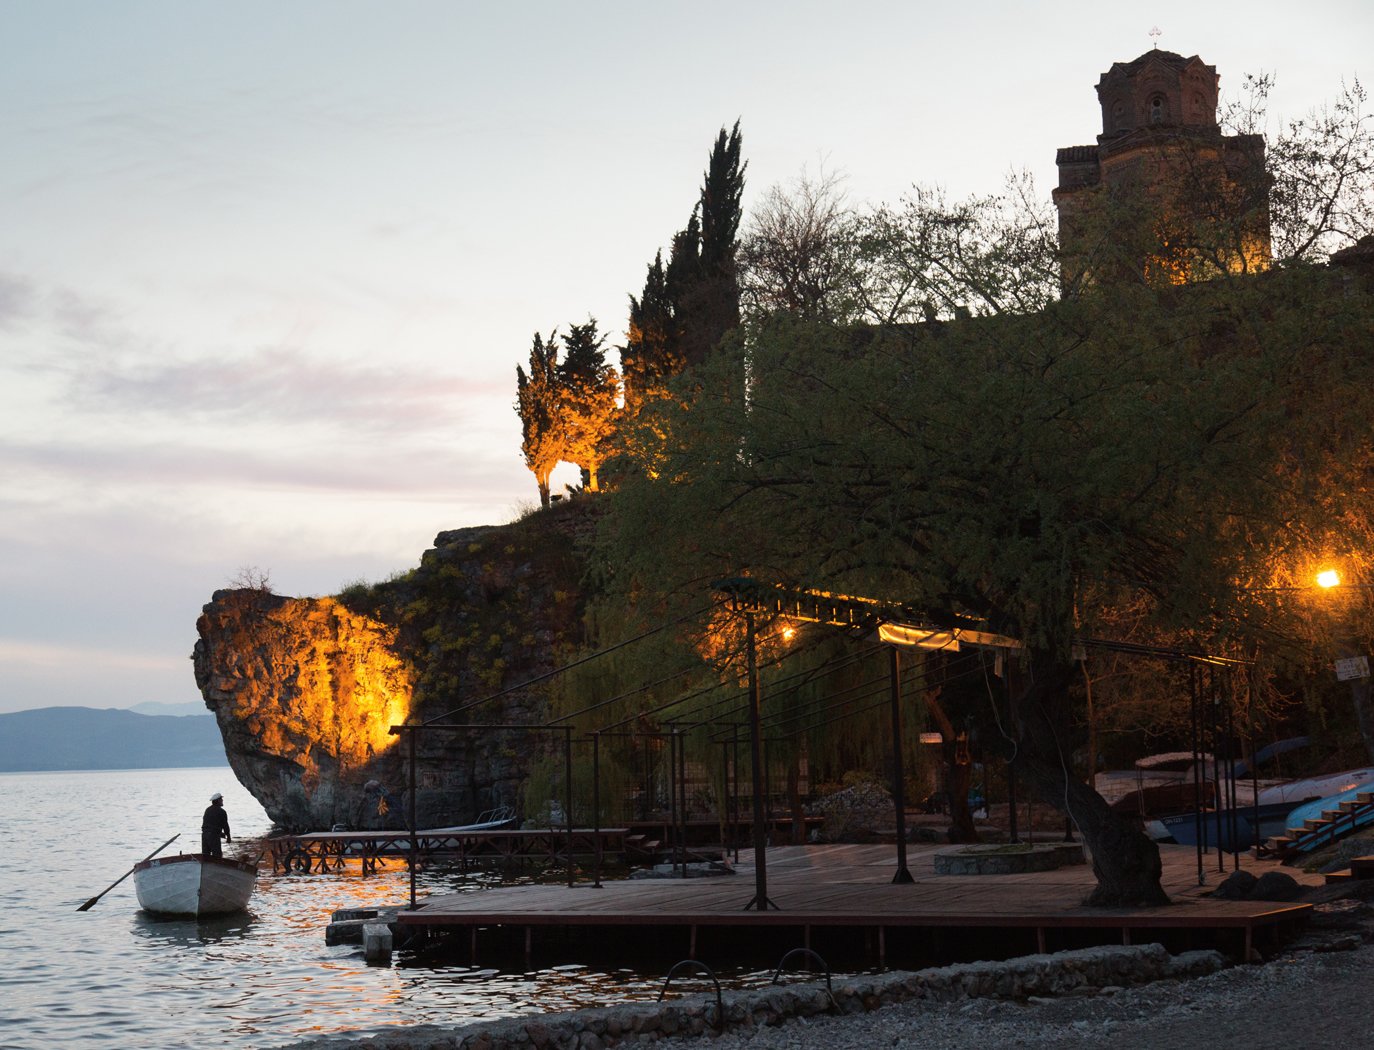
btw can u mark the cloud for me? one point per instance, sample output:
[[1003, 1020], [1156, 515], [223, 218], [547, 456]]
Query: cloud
[[282, 386], [51, 656], [377, 469], [17, 300]]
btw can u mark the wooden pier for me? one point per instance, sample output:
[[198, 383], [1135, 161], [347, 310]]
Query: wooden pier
[[321, 852], [846, 890]]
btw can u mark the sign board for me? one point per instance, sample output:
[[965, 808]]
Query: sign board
[[932, 738], [1352, 667]]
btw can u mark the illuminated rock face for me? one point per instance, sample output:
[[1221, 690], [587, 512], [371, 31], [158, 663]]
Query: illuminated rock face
[[305, 689], [305, 693]]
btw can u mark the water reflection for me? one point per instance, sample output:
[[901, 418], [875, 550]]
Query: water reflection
[[182, 932], [263, 978]]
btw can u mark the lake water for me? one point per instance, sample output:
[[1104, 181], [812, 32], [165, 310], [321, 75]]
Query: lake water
[[116, 977]]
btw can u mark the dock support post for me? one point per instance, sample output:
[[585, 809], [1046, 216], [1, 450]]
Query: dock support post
[[882, 947], [760, 901], [903, 874], [1040, 939]]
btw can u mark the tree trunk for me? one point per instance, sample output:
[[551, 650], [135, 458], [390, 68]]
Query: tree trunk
[[958, 775], [543, 481], [1125, 860]]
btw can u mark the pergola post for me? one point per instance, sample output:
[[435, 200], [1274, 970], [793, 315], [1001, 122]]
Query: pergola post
[[903, 874], [760, 901]]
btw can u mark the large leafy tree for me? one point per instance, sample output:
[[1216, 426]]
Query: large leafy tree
[[1023, 473], [998, 449]]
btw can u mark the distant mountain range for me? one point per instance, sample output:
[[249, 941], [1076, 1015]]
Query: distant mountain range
[[56, 738]]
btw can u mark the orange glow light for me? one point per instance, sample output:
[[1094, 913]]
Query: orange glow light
[[1328, 578]]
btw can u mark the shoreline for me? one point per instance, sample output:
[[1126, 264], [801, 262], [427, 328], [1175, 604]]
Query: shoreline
[[1136, 997]]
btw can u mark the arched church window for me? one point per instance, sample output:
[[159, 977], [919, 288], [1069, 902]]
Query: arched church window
[[1157, 109]]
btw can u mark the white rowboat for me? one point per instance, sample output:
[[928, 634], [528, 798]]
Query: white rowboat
[[194, 884]]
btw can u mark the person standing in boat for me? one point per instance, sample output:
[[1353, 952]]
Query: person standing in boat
[[214, 826]]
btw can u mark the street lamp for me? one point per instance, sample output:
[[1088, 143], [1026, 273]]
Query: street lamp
[[1328, 578]]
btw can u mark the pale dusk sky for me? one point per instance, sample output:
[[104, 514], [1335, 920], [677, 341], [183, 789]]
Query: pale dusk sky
[[266, 269]]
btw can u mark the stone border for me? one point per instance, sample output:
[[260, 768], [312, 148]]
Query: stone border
[[998, 860], [1062, 973]]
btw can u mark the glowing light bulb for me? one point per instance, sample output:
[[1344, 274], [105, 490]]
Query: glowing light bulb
[[1328, 578]]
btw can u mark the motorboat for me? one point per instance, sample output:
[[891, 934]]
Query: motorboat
[[499, 819], [194, 884]]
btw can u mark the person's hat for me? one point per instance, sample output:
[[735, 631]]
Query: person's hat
[[216, 797]]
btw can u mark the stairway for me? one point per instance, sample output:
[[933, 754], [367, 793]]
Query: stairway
[[1360, 868], [1351, 814]]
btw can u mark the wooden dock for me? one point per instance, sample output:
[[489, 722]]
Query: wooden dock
[[836, 891], [321, 852]]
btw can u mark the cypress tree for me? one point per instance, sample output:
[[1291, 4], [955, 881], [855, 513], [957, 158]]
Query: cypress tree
[[708, 298], [649, 356], [588, 388], [538, 402]]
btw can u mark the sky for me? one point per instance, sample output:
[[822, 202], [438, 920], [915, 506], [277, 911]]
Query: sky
[[266, 269]]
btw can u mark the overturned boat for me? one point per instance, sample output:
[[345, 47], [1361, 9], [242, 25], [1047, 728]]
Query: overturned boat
[[194, 884]]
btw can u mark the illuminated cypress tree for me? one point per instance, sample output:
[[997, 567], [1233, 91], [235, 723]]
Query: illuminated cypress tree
[[538, 403], [589, 387]]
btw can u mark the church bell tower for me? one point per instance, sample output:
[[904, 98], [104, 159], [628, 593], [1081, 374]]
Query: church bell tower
[[1162, 180]]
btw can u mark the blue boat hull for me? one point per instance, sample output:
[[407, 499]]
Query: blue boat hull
[[1183, 827]]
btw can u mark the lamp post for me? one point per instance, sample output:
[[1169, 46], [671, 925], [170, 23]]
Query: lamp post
[[1351, 665]]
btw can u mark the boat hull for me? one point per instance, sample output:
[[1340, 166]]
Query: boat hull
[[1182, 828], [194, 884]]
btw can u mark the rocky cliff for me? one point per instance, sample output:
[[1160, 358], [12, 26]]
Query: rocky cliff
[[305, 690]]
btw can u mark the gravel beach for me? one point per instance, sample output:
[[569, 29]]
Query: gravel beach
[[1314, 993], [1304, 999]]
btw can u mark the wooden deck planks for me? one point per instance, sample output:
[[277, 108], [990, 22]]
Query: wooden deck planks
[[851, 885]]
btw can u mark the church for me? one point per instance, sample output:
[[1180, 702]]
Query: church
[[1163, 181]]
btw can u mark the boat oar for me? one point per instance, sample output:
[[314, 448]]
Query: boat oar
[[91, 903]]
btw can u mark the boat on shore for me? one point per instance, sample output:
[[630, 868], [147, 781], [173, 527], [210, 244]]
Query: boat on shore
[[1178, 798], [194, 884]]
